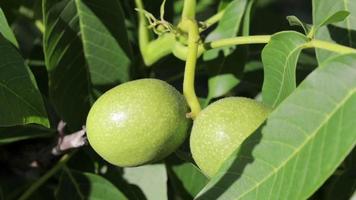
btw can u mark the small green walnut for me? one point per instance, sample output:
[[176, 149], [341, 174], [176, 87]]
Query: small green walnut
[[221, 128], [137, 122]]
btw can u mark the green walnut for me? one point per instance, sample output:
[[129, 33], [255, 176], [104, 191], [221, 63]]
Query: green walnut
[[137, 122], [221, 128]]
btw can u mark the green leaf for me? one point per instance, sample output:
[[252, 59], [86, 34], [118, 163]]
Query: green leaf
[[17, 133], [86, 52], [336, 17], [5, 29], [220, 85], [106, 46], [152, 180], [69, 83], [228, 26], [295, 21], [305, 140], [343, 32], [279, 59], [78, 185], [187, 178], [20, 100], [247, 18]]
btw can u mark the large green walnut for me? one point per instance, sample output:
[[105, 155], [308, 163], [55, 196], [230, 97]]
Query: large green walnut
[[137, 122], [221, 128]]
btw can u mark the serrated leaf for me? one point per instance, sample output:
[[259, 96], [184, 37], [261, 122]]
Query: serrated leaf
[[228, 26], [305, 140], [220, 85], [106, 46], [279, 59], [78, 185], [152, 180], [86, 53], [69, 84], [343, 32], [5, 29], [187, 177], [21, 102], [295, 21]]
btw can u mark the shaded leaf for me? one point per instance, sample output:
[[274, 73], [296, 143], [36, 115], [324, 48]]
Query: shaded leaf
[[106, 46], [343, 32], [5, 29], [294, 21], [69, 83], [87, 52], [151, 179], [20, 100], [17, 133], [279, 59], [78, 185], [305, 140]]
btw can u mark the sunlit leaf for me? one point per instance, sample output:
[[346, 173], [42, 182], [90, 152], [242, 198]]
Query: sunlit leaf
[[279, 59], [343, 32], [305, 140], [152, 180]]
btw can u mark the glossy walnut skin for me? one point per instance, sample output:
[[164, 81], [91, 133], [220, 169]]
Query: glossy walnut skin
[[137, 122], [221, 128]]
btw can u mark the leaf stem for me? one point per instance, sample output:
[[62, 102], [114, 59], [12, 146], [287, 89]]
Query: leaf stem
[[144, 35], [212, 20], [260, 39], [257, 39], [330, 46], [189, 73], [64, 159], [189, 9], [158, 48]]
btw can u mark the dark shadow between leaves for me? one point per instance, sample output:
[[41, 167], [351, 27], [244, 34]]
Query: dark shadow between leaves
[[173, 180], [342, 35], [237, 166]]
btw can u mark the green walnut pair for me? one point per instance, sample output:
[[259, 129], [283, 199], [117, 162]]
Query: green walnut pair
[[145, 120]]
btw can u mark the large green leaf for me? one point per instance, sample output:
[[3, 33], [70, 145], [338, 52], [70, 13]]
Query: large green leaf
[[342, 32], [305, 140], [105, 41], [69, 83], [279, 59], [5, 29], [86, 51], [77, 185], [151, 179], [20, 100], [228, 26]]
